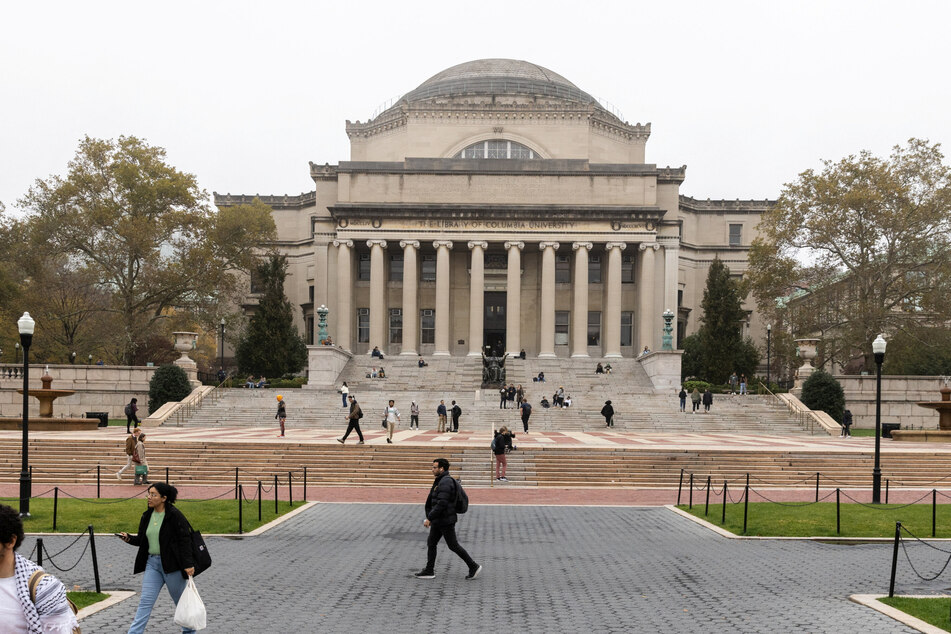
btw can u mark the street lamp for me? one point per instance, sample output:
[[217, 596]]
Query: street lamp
[[89, 360], [769, 331], [222, 339], [25, 325], [878, 349], [16, 352], [72, 358]]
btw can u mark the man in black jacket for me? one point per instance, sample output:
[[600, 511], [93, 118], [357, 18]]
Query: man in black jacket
[[441, 520], [456, 413]]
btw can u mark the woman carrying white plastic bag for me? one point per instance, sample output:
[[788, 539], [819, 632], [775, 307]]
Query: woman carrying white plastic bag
[[190, 612]]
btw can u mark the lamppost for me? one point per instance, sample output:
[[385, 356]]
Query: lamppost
[[16, 352], [221, 324], [769, 331], [72, 358], [878, 349], [25, 325], [89, 360]]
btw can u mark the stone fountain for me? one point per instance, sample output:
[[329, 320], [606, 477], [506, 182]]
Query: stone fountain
[[45, 422], [943, 433]]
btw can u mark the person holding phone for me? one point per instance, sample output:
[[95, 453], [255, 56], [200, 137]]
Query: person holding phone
[[165, 552]]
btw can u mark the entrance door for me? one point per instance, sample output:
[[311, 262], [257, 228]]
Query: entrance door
[[493, 336]]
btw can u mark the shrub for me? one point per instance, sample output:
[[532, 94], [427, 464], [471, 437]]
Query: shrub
[[168, 384], [700, 385], [822, 392]]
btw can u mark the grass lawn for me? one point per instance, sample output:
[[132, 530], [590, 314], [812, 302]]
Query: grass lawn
[[933, 611], [853, 431], [84, 599], [110, 516], [773, 520]]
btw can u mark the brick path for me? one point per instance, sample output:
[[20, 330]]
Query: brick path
[[347, 567]]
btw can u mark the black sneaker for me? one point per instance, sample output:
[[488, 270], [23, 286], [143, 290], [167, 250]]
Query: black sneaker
[[425, 574], [474, 573]]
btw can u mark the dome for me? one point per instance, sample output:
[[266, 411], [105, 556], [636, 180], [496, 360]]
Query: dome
[[498, 77]]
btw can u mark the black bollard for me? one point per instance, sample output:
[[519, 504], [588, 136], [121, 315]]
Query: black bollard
[[275, 495], [706, 508], [98, 482], [305, 484], [891, 584], [680, 486], [746, 502], [290, 489], [55, 505], [95, 560], [886, 491], [817, 486], [39, 552], [838, 525], [934, 510], [259, 500], [723, 519], [166, 475], [240, 509], [690, 498], [236, 483]]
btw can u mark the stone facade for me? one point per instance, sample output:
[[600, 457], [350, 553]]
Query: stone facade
[[499, 205], [899, 395]]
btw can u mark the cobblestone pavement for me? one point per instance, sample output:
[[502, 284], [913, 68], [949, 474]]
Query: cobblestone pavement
[[347, 568]]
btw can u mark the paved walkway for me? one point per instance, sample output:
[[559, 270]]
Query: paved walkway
[[346, 568]]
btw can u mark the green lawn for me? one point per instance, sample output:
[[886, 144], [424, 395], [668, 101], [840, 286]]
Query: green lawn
[[85, 599], [110, 516], [775, 520], [933, 611], [859, 432]]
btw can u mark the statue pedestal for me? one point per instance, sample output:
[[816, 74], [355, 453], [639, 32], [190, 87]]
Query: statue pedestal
[[324, 365], [663, 368]]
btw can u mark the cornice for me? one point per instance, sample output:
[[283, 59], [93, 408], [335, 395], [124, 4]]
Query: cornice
[[325, 172], [494, 211], [720, 206], [306, 199]]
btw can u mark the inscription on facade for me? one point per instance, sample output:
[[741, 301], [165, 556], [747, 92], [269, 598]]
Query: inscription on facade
[[436, 223]]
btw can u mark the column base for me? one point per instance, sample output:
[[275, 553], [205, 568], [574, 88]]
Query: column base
[[614, 355], [409, 353], [474, 354], [547, 355], [441, 354], [580, 355]]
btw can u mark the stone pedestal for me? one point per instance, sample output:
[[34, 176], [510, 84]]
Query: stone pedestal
[[807, 351], [324, 365], [185, 342], [663, 368]]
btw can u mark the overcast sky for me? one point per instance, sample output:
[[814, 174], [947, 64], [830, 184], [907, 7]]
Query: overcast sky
[[244, 94]]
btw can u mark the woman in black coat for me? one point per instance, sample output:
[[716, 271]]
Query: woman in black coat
[[165, 552], [608, 412]]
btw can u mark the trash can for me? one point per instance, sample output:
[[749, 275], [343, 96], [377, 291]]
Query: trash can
[[888, 428], [102, 416]]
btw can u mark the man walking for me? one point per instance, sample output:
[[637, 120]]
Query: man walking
[[130, 415], [392, 416], [526, 408], [414, 415], [456, 413], [441, 519], [130, 442], [441, 414], [354, 419]]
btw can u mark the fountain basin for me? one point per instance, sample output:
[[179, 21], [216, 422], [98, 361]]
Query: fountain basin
[[51, 424], [943, 433]]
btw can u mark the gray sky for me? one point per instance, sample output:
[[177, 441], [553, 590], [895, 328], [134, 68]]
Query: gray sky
[[244, 94]]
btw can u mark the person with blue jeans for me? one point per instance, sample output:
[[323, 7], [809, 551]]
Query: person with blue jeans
[[165, 552]]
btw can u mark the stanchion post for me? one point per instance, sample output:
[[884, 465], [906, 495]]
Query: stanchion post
[[305, 483], [891, 584], [746, 502], [690, 497], [39, 551], [706, 507], [680, 486], [817, 486], [838, 525], [259, 500], [934, 510], [723, 519], [236, 483], [886, 490], [240, 509], [290, 490], [55, 505], [98, 481], [166, 475], [275, 494], [95, 560]]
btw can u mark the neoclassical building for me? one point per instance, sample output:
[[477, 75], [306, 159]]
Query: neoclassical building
[[499, 205]]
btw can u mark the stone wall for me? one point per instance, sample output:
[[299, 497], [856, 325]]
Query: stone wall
[[899, 395], [100, 388]]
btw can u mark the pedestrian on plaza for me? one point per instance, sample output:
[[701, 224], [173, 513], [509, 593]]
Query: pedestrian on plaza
[[130, 443], [503, 397], [441, 417], [707, 401], [414, 415], [742, 384], [353, 420], [695, 399], [140, 461], [608, 412], [501, 443], [526, 408], [222, 375], [130, 415], [281, 413], [392, 416], [344, 392], [733, 382], [519, 395], [456, 413], [165, 552], [511, 394], [558, 399], [846, 423], [31, 600], [683, 399], [441, 519]]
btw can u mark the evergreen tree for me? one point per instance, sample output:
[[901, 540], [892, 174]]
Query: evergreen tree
[[722, 349], [270, 345], [822, 392]]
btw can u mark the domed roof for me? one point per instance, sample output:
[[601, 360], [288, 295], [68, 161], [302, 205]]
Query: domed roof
[[498, 77]]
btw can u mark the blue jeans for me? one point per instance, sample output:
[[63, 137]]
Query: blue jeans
[[152, 581]]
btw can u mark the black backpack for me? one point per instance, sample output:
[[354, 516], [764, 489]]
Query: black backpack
[[128, 409], [462, 499]]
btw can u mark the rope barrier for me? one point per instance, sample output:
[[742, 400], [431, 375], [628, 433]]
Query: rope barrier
[[71, 544], [932, 546], [116, 501], [811, 478], [915, 570], [49, 558], [882, 507], [828, 495]]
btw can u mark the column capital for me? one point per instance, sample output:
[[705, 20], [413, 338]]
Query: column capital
[[409, 243], [442, 243], [381, 243], [581, 245], [644, 246], [478, 243], [517, 245], [544, 245], [344, 243], [669, 242], [615, 245]]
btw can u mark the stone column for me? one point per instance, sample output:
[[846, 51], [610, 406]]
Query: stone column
[[476, 296], [410, 298], [645, 294], [579, 320], [378, 316], [671, 266], [344, 293], [442, 297], [513, 299], [546, 317], [612, 301]]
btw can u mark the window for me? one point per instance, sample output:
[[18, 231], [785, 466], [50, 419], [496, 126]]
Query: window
[[497, 149], [396, 268], [594, 328], [561, 327], [257, 281], [309, 339], [627, 328], [396, 325], [562, 269], [428, 269], [310, 293], [363, 270], [363, 325], [594, 269], [736, 235], [627, 269], [427, 326]]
